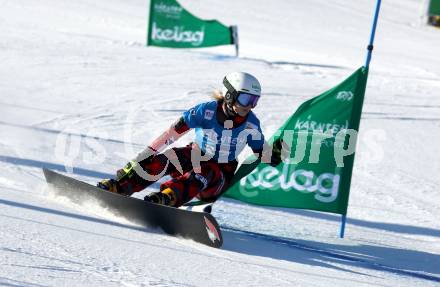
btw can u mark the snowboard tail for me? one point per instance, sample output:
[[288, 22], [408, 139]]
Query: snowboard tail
[[198, 226]]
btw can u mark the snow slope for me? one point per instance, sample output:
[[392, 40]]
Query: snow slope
[[79, 89]]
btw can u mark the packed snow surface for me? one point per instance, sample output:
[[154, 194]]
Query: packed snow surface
[[80, 93]]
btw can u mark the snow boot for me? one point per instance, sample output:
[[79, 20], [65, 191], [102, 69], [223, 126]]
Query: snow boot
[[125, 178], [109, 185], [165, 197]]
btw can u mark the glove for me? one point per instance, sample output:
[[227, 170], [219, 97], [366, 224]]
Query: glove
[[277, 147]]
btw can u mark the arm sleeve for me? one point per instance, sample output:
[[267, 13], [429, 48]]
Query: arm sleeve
[[194, 116], [256, 140], [173, 133], [271, 154], [180, 126]]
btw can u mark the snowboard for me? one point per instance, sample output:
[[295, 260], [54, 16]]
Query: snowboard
[[198, 226]]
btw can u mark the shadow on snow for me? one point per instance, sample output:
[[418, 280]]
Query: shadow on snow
[[53, 166], [298, 251], [329, 255]]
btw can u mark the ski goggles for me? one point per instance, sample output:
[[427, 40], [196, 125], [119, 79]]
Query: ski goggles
[[242, 98], [245, 100]]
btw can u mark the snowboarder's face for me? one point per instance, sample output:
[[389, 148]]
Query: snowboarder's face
[[240, 110]]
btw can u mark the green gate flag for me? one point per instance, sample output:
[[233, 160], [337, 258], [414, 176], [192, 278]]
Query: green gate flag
[[434, 8], [172, 26], [319, 140]]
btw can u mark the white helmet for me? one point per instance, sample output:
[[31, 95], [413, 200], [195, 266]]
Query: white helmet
[[239, 82]]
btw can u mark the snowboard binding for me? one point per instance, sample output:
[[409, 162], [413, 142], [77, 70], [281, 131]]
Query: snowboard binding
[[165, 197], [110, 185]]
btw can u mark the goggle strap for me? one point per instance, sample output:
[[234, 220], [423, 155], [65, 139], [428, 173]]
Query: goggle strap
[[230, 88]]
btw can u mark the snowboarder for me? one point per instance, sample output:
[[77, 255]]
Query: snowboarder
[[205, 167]]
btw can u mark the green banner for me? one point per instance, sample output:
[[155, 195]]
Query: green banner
[[434, 8], [319, 141], [172, 26]]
